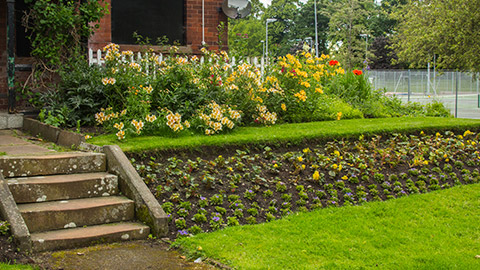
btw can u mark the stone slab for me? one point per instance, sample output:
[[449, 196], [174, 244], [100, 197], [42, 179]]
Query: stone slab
[[80, 237], [63, 187], [3, 122], [8, 121], [55, 163], [9, 140], [15, 121], [69, 139], [26, 149], [47, 216], [37, 128]]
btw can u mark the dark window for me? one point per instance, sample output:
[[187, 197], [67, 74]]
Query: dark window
[[23, 44], [149, 18]]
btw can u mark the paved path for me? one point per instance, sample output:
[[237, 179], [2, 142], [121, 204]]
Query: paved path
[[136, 255], [16, 143]]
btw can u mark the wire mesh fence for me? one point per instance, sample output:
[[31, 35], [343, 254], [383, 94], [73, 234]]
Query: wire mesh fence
[[459, 91]]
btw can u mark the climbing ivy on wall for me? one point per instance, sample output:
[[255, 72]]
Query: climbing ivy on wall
[[58, 27]]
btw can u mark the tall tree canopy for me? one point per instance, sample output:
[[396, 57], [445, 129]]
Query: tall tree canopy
[[449, 29], [349, 20], [305, 23]]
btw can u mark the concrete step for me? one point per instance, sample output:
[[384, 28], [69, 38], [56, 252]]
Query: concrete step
[[61, 163], [47, 216], [81, 237], [62, 187]]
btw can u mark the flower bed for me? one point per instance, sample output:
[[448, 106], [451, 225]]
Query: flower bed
[[215, 95], [247, 188]]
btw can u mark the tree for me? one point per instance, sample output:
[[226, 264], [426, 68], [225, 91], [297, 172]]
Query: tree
[[383, 54], [281, 34], [348, 23], [245, 36], [449, 29], [383, 23], [305, 23]]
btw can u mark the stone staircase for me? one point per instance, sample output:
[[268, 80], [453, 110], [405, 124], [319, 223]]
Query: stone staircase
[[69, 200]]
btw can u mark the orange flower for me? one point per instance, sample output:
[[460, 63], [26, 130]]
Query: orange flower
[[333, 62], [357, 72]]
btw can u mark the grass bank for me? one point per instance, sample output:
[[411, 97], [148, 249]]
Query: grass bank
[[291, 132], [438, 230], [5, 266]]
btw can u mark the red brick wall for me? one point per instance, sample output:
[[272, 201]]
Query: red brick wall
[[103, 35], [3, 56], [193, 25]]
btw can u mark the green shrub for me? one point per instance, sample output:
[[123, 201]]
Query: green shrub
[[77, 95], [329, 106]]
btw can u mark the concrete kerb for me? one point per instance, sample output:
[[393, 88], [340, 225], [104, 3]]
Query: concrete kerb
[[147, 208], [52, 134], [10, 212]]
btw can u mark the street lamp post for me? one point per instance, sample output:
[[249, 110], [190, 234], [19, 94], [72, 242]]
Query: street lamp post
[[366, 44], [316, 29], [263, 48], [266, 37]]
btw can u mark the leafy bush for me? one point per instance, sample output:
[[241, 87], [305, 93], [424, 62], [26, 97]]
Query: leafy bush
[[330, 107], [213, 96], [78, 94], [354, 89]]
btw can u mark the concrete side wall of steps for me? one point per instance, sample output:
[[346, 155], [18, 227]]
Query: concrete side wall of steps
[[147, 208], [10, 212]]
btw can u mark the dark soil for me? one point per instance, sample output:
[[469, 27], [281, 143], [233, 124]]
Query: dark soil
[[10, 254], [375, 168]]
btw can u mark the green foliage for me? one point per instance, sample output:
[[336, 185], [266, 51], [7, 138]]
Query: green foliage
[[281, 32], [330, 105], [348, 22], [58, 27], [443, 28], [4, 227], [77, 95], [244, 38], [304, 26], [354, 89]]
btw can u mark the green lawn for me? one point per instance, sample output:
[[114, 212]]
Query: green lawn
[[439, 230], [4, 266], [291, 132]]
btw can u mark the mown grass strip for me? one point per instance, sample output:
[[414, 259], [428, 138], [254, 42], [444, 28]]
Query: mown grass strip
[[291, 132], [5, 266], [438, 230]]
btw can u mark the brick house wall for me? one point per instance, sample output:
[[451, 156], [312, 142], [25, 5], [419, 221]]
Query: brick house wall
[[103, 36], [193, 27]]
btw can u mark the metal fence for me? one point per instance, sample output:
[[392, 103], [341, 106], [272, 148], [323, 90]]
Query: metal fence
[[459, 91]]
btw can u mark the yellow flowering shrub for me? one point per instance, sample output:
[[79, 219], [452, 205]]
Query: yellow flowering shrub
[[300, 79], [215, 118], [151, 96]]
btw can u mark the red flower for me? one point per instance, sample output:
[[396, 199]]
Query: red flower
[[357, 72], [283, 69], [333, 62]]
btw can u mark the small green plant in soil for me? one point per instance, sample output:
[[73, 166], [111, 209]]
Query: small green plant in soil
[[433, 162]]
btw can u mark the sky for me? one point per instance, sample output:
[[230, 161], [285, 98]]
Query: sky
[[267, 2]]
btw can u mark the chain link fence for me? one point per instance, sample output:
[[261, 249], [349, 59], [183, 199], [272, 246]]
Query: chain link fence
[[459, 91]]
